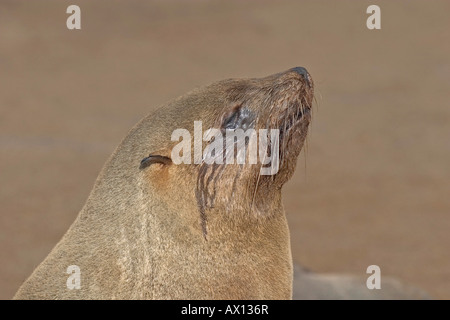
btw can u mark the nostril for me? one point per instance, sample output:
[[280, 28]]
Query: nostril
[[302, 71]]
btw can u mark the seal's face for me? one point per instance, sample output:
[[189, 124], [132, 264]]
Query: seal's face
[[276, 109], [282, 102]]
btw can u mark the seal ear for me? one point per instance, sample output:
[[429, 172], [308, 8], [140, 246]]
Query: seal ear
[[151, 159]]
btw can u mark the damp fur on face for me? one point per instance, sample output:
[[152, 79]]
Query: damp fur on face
[[283, 104]]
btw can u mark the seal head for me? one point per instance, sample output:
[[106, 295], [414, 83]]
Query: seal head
[[155, 227], [281, 101]]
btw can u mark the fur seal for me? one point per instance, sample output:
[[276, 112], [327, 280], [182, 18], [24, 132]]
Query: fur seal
[[153, 229]]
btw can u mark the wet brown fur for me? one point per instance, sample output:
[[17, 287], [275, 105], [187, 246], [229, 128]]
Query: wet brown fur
[[166, 231]]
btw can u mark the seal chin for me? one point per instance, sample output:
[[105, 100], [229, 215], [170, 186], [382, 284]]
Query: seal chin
[[300, 114]]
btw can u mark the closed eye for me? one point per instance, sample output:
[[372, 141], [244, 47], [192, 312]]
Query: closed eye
[[240, 118]]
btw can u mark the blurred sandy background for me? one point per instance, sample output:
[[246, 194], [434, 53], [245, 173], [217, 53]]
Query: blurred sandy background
[[374, 187]]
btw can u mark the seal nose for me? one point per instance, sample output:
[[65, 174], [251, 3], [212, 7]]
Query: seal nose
[[302, 71]]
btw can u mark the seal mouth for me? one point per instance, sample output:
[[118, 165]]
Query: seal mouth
[[294, 119], [293, 116]]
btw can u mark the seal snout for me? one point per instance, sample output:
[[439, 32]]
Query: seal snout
[[294, 107], [304, 73]]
